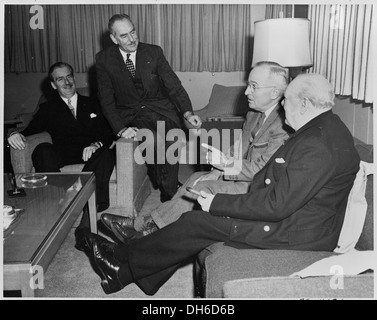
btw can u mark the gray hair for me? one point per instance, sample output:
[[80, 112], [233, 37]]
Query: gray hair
[[118, 17], [278, 74], [316, 88]]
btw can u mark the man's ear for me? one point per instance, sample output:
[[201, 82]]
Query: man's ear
[[53, 85], [275, 93], [113, 38], [305, 105]]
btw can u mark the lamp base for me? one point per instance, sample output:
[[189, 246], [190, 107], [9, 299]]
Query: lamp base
[[16, 193]]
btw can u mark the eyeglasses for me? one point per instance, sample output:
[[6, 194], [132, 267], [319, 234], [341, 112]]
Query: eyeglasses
[[254, 87]]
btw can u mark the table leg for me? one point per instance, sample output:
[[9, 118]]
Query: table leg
[[93, 213]]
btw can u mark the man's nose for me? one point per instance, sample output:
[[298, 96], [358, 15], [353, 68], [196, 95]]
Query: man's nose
[[247, 91]]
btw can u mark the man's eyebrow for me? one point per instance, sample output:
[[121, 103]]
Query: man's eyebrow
[[124, 34]]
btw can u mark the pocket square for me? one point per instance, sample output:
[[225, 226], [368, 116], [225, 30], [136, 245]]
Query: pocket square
[[93, 115], [279, 160]]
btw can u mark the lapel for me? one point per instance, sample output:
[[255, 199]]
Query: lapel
[[143, 64], [271, 118]]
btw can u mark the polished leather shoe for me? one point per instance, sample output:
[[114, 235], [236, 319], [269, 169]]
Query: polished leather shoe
[[125, 234], [106, 246], [108, 268], [80, 235], [108, 219]]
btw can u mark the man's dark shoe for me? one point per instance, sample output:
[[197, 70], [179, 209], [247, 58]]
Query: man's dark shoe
[[125, 234], [108, 219], [106, 246], [108, 268], [80, 235]]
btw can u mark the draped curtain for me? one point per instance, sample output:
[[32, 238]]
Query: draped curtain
[[194, 37], [207, 37], [341, 43], [274, 10]]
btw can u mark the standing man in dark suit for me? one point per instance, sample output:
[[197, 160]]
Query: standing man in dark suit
[[263, 132], [296, 202], [79, 132], [138, 88]]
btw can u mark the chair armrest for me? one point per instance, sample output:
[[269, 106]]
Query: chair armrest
[[21, 159], [359, 286]]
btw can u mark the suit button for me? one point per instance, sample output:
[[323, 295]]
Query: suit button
[[267, 181], [235, 229], [142, 107], [266, 228]]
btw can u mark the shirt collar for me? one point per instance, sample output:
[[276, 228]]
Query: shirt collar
[[73, 100], [268, 111], [132, 56]]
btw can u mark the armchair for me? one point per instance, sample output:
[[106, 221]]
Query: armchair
[[129, 182]]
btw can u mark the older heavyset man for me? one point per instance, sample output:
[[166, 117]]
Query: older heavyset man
[[138, 88], [264, 131], [297, 201]]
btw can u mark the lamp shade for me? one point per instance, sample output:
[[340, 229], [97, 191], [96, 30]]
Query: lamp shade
[[285, 41]]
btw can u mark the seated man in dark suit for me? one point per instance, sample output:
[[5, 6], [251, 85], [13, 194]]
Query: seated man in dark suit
[[79, 132], [296, 202]]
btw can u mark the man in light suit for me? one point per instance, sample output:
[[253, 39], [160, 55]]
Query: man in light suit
[[257, 143], [296, 202], [138, 88], [79, 132]]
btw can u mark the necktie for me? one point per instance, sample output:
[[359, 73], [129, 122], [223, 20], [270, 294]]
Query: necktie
[[72, 108], [130, 66], [259, 124]]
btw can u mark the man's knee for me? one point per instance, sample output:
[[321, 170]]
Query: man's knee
[[45, 158]]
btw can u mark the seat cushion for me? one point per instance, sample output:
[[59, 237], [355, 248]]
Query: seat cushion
[[227, 101], [78, 168], [223, 263]]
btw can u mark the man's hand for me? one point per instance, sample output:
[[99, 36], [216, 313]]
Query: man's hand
[[130, 133], [194, 120], [88, 151], [212, 175], [17, 141], [205, 200], [215, 157]]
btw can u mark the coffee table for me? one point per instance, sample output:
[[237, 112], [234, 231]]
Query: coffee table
[[31, 242]]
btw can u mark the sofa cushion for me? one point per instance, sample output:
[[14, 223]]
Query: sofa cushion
[[224, 263], [226, 101], [360, 286]]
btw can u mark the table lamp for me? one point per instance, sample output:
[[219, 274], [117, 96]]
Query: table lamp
[[285, 41]]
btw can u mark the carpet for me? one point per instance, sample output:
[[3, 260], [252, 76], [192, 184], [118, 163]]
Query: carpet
[[70, 274]]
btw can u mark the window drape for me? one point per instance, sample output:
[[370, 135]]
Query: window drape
[[273, 11], [207, 37], [341, 43], [194, 37], [72, 33]]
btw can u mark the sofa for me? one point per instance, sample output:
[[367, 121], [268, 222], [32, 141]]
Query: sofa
[[225, 272], [129, 182]]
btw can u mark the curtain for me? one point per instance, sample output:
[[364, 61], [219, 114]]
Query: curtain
[[71, 33], [207, 37], [194, 37], [341, 44], [273, 11]]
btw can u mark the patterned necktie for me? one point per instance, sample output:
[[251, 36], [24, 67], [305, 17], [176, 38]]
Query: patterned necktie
[[72, 108], [260, 121], [130, 66]]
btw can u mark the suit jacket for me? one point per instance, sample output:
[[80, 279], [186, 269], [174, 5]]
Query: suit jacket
[[254, 153], [298, 200], [71, 135], [119, 98]]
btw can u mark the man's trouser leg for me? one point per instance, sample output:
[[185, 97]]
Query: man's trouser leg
[[154, 258]]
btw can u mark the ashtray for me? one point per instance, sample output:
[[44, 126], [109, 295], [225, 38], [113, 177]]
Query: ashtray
[[34, 180]]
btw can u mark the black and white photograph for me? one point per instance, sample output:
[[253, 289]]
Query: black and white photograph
[[188, 155]]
